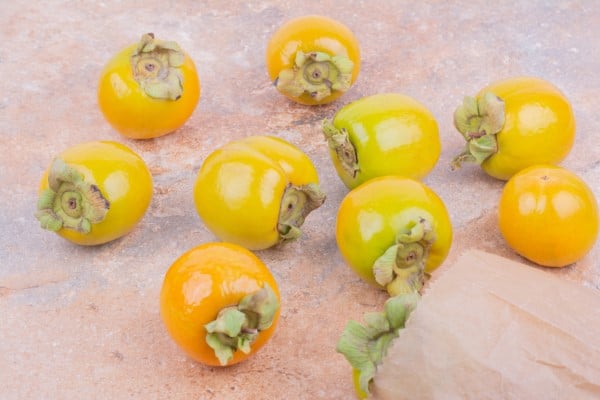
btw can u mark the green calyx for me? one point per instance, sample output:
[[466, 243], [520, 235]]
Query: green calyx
[[365, 346], [317, 74], [400, 269], [479, 120], [236, 327], [155, 65], [339, 141], [297, 202], [70, 202]]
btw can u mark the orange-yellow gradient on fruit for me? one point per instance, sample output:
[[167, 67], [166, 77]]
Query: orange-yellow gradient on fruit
[[105, 175], [325, 77], [382, 134], [146, 91], [372, 217], [513, 124]]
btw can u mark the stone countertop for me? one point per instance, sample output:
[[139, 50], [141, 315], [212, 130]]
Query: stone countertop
[[84, 322]]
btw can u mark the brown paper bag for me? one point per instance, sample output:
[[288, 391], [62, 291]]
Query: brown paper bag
[[491, 328]]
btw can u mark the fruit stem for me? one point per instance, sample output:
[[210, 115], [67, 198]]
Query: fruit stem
[[70, 202], [237, 327], [479, 120], [315, 73]]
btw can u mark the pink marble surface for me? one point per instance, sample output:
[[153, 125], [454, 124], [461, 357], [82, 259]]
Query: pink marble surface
[[83, 322]]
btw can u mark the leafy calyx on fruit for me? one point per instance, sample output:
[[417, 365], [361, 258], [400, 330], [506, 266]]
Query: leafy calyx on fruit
[[365, 346], [296, 203], [316, 73], [479, 120], [155, 65], [339, 141], [401, 268], [70, 202], [237, 327]]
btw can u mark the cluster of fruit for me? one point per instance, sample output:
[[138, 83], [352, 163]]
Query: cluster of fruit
[[219, 302]]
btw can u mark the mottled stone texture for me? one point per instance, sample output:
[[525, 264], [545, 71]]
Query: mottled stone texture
[[84, 323]]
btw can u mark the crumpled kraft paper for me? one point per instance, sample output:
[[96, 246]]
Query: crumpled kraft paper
[[491, 328]]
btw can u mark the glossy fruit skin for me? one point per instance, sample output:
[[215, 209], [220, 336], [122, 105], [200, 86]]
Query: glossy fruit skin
[[239, 188], [311, 33], [539, 126], [203, 281], [371, 215], [392, 134], [548, 215], [122, 177], [132, 112]]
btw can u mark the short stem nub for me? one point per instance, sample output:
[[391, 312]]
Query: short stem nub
[[365, 346], [70, 202], [297, 202], [236, 327], [339, 141], [155, 65], [400, 269], [317, 74], [479, 120]]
